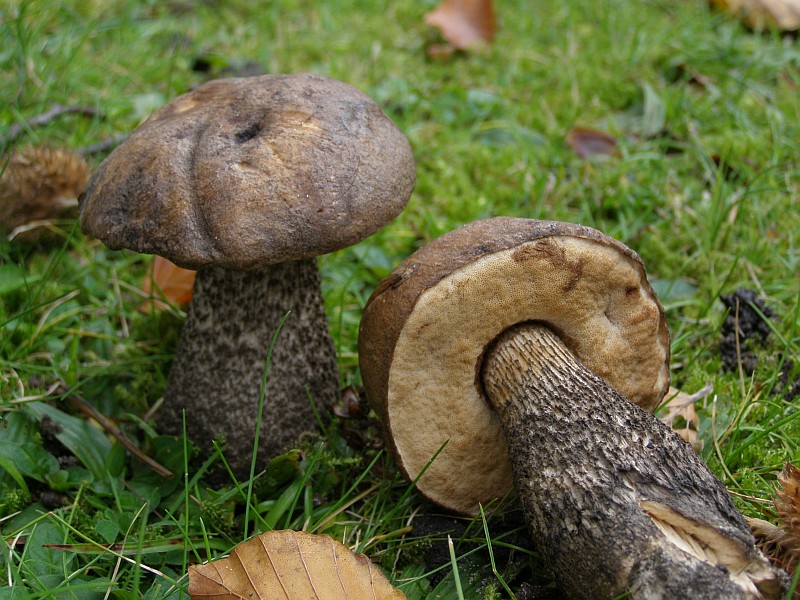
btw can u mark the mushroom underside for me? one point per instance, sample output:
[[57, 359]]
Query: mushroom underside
[[435, 405]]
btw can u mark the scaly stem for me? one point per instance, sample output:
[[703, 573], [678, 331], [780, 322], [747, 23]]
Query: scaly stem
[[218, 368], [615, 500]]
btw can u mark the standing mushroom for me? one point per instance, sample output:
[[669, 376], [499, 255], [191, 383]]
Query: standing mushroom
[[247, 180], [510, 347]]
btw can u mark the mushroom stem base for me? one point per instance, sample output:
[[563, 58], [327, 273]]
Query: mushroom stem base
[[616, 502], [219, 364]]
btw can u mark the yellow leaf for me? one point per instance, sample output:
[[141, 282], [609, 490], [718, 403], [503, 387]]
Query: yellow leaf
[[291, 565]]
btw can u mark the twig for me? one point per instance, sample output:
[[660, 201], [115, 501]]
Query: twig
[[688, 399], [118, 295], [750, 498], [50, 224], [37, 397], [15, 130], [104, 145], [111, 427], [153, 409]]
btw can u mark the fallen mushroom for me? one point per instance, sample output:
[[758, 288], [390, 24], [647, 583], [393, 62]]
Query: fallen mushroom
[[247, 180], [525, 339]]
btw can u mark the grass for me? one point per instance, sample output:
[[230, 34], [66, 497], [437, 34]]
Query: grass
[[705, 188]]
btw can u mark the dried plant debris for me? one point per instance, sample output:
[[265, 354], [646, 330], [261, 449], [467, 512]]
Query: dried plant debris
[[760, 15], [39, 184], [291, 565], [464, 24], [361, 429], [781, 542], [587, 143], [681, 415], [57, 110], [744, 325]]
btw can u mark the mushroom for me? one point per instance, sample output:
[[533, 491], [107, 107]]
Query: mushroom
[[247, 180], [514, 349]]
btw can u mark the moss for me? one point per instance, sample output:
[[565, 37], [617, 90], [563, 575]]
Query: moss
[[13, 500]]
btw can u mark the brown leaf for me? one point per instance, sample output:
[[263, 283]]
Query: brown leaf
[[589, 142], [167, 281], [351, 406], [464, 23], [682, 417], [291, 565], [758, 15]]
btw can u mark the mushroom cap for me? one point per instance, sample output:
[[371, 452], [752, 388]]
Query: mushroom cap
[[426, 327], [245, 172]]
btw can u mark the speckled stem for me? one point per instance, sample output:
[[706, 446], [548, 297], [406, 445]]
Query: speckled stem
[[219, 363], [614, 500]]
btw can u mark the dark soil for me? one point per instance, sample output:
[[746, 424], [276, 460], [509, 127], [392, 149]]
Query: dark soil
[[752, 329], [745, 324], [528, 583], [789, 381], [49, 431]]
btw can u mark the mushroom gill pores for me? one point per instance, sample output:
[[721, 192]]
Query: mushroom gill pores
[[522, 350]]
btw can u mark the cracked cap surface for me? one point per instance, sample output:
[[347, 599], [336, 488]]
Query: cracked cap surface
[[245, 172], [425, 329]]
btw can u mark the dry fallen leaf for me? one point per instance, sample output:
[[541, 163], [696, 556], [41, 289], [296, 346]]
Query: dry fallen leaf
[[166, 280], [758, 15], [681, 415], [350, 405], [291, 565], [589, 142], [464, 23]]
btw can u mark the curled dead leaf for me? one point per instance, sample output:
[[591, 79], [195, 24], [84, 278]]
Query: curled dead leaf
[[291, 565], [759, 15], [166, 281], [589, 142], [351, 406], [681, 415], [464, 23]]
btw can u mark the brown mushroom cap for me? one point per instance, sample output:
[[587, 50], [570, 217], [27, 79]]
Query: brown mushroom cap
[[425, 329], [245, 172]]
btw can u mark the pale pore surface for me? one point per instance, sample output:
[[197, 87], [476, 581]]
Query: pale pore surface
[[589, 293]]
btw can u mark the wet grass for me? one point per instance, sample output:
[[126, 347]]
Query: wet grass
[[705, 188]]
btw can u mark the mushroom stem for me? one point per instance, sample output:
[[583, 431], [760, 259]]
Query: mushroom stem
[[616, 502], [221, 355]]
